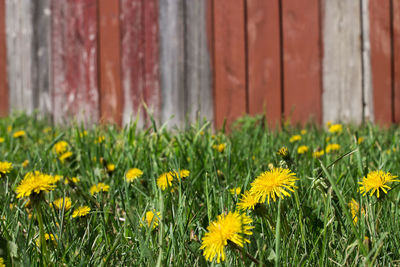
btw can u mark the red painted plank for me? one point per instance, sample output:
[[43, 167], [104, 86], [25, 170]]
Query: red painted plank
[[229, 61], [302, 60], [381, 56], [152, 90], [74, 55], [111, 100], [3, 62], [132, 53], [264, 64], [396, 58]]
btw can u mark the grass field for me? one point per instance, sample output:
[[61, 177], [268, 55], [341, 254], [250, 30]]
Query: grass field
[[157, 197]]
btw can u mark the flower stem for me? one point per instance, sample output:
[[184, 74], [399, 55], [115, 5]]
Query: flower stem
[[43, 244], [241, 250]]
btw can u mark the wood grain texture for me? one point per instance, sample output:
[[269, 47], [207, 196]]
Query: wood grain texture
[[229, 61], [264, 62], [302, 60], [41, 53], [132, 59], [396, 59], [381, 57], [152, 89], [172, 64], [19, 55], [3, 62], [342, 68], [199, 98], [74, 58], [111, 94]]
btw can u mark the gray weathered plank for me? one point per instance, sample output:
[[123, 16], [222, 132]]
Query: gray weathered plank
[[342, 67], [19, 32], [41, 56], [172, 67], [199, 100]]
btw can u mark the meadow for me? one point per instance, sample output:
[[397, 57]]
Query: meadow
[[298, 196]]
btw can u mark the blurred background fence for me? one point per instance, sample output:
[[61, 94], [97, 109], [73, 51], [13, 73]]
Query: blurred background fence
[[104, 60]]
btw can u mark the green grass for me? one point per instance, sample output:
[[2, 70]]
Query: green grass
[[312, 227]]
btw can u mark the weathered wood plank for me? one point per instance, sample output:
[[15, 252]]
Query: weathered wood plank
[[3, 62], [74, 57], [396, 59], [264, 69], [19, 55], [229, 61], [152, 59], [342, 68], [302, 60], [111, 100], [199, 101], [132, 59], [381, 57], [41, 53], [172, 64]]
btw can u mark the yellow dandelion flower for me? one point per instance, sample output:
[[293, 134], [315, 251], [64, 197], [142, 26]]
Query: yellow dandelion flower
[[327, 139], [65, 156], [235, 191], [74, 180], [18, 134], [99, 139], [35, 182], [230, 227], [99, 187], [355, 209], [295, 138], [25, 163], [2, 139], [47, 237], [133, 174], [150, 218], [329, 123], [283, 151], [375, 182], [274, 183], [60, 147], [60, 202], [360, 140], [318, 154], [110, 167], [9, 128], [81, 211], [247, 201], [302, 149], [83, 134], [46, 130], [5, 167], [165, 179], [332, 147], [335, 128], [303, 132], [220, 147], [57, 178], [2, 264]]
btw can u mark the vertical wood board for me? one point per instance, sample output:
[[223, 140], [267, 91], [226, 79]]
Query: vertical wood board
[[111, 101], [381, 57], [3, 62], [41, 56], [152, 90], [132, 59], [342, 68], [396, 58], [199, 101], [264, 62], [229, 61], [19, 31], [302, 60], [74, 57], [172, 56]]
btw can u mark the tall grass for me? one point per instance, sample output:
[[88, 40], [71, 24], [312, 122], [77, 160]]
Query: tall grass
[[312, 227]]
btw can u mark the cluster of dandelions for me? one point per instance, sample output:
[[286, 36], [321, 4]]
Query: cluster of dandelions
[[270, 185]]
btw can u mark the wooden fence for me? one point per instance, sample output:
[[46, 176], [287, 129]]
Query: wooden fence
[[105, 60]]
